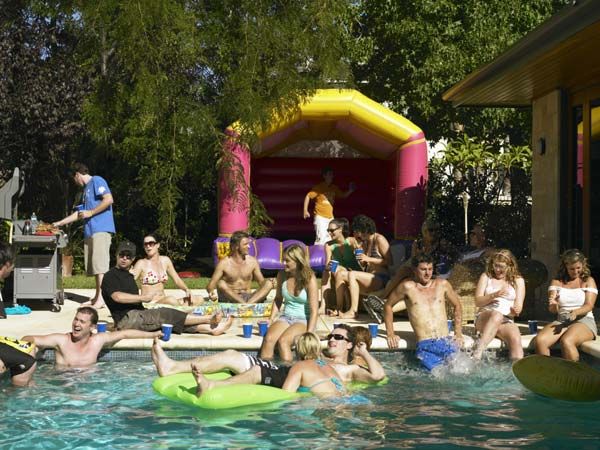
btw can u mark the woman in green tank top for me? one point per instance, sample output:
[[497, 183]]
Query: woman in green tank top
[[341, 249]]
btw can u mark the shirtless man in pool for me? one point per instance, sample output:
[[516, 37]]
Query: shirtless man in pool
[[425, 299], [233, 276], [252, 370], [80, 347]]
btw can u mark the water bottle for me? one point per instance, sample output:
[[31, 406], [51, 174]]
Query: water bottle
[[34, 223], [27, 228]]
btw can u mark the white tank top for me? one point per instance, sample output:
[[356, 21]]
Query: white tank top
[[500, 304], [571, 298]]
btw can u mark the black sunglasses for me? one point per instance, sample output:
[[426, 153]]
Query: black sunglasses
[[126, 255], [331, 230], [150, 243], [337, 337]]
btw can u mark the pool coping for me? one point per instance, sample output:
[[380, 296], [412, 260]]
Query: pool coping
[[45, 322]]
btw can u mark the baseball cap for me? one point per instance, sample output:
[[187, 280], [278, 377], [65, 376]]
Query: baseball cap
[[126, 246]]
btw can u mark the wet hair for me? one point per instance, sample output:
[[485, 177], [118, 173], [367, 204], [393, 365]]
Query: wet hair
[[152, 235], [326, 170], [7, 254], [89, 311], [362, 334], [512, 268], [342, 223], [363, 224], [569, 257], [303, 273], [351, 336], [79, 167], [308, 346], [236, 239], [421, 258]]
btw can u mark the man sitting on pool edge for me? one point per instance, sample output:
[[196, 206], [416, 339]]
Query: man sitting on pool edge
[[233, 276], [81, 347], [425, 299], [123, 298], [253, 370]]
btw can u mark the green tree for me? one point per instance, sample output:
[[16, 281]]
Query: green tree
[[420, 48]]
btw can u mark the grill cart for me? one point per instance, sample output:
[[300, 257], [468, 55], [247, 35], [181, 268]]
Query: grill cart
[[37, 273]]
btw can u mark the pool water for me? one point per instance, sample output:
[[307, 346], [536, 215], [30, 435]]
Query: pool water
[[114, 406]]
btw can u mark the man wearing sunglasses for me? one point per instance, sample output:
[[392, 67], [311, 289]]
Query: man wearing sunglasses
[[125, 303], [425, 298], [253, 370]]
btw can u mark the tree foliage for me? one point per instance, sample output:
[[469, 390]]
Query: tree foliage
[[420, 48], [497, 181]]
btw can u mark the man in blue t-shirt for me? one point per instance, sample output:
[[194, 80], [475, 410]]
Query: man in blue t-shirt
[[98, 225]]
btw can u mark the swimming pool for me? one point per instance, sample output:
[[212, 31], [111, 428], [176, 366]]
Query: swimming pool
[[113, 406]]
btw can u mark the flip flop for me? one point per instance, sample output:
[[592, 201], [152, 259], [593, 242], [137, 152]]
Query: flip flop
[[17, 310]]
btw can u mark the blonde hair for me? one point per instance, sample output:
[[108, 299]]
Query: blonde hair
[[512, 268], [303, 273], [308, 346], [569, 257]]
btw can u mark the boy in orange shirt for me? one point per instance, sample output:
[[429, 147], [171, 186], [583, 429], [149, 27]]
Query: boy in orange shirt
[[324, 195]]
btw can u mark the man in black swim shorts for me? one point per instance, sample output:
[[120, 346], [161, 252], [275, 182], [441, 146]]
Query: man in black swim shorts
[[17, 357]]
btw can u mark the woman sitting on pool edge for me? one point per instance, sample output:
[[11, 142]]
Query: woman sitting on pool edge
[[499, 295], [295, 307], [341, 249], [571, 296], [154, 271]]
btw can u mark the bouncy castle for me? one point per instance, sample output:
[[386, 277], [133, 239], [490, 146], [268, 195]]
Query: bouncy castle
[[382, 152]]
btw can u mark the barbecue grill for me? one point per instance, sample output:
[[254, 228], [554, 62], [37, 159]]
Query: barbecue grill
[[38, 264]]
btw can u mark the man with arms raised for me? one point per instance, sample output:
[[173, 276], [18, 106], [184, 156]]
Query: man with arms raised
[[425, 299], [80, 347], [233, 275], [253, 370]]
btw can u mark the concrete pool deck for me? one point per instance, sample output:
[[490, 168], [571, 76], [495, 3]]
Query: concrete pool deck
[[43, 321]]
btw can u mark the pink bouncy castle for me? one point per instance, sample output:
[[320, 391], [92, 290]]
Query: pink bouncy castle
[[383, 153]]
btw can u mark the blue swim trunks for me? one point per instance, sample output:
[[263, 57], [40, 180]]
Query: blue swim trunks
[[433, 352]]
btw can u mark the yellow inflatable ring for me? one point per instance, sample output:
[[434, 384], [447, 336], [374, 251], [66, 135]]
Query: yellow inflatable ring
[[558, 378]]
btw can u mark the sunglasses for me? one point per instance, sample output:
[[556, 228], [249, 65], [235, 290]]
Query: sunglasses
[[150, 243], [331, 230], [337, 337], [126, 255]]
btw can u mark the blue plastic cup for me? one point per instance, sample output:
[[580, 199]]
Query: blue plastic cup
[[359, 251], [166, 329], [101, 327], [247, 328], [333, 265], [450, 325], [263, 326], [533, 326], [374, 329], [78, 207]]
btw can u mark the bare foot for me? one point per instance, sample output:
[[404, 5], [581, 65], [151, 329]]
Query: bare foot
[[333, 313], [95, 302], [348, 315], [222, 327], [204, 384], [163, 363], [216, 318]]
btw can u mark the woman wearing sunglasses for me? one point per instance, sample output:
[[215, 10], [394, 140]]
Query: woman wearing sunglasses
[[296, 304], [340, 248], [154, 271]]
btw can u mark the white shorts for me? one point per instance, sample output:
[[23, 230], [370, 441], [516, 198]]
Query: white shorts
[[321, 225]]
